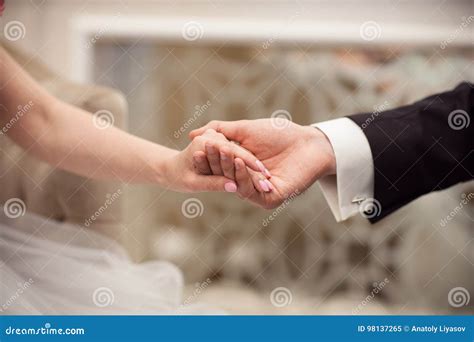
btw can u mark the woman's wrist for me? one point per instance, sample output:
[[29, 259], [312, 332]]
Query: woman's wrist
[[163, 166]]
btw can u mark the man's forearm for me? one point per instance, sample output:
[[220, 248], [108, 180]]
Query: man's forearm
[[419, 148], [385, 160]]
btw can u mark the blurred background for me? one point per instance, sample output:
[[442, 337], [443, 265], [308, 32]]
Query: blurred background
[[180, 64]]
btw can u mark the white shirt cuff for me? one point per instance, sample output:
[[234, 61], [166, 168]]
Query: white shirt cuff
[[354, 179]]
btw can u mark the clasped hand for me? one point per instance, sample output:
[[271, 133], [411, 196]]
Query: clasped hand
[[261, 161]]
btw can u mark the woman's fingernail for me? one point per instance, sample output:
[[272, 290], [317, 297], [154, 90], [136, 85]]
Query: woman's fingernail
[[264, 185], [267, 173], [223, 156], [269, 184], [262, 168], [230, 187]]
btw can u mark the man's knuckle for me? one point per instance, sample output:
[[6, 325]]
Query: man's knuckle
[[236, 150], [199, 139]]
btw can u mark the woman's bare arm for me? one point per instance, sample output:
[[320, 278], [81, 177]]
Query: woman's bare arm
[[66, 137]]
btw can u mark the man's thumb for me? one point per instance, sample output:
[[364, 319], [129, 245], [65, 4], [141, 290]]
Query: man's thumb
[[228, 128]]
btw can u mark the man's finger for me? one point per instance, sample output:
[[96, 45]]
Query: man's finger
[[201, 130], [201, 164], [245, 186], [231, 129], [214, 159], [227, 163], [250, 160], [227, 129]]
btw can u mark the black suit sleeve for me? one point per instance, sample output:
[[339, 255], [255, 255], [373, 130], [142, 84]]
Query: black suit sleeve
[[420, 148]]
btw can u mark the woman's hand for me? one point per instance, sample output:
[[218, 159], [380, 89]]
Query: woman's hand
[[220, 163]]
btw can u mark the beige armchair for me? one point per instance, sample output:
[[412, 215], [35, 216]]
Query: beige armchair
[[55, 193]]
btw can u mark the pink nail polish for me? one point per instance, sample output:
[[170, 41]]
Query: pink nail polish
[[267, 173], [262, 168], [230, 187], [260, 165], [264, 185], [269, 184]]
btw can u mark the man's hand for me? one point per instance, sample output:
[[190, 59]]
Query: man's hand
[[179, 167], [296, 156]]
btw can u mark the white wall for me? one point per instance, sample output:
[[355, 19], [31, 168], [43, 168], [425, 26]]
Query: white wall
[[49, 23]]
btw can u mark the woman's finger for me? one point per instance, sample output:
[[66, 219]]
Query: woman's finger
[[250, 160], [260, 183], [214, 159], [227, 163], [201, 164], [250, 183], [245, 186], [220, 140]]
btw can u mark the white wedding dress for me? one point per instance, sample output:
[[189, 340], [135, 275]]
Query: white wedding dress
[[54, 268]]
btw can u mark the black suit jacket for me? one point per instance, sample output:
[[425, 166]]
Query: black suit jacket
[[420, 148]]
